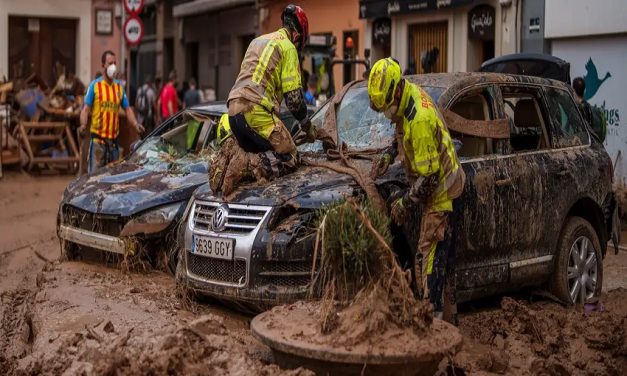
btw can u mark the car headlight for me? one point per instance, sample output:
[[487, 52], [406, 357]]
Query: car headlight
[[153, 221]]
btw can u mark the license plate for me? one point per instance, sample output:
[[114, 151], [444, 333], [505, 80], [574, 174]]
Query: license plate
[[209, 246]]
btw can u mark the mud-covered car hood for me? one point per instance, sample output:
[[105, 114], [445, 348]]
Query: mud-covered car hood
[[309, 187], [127, 188]]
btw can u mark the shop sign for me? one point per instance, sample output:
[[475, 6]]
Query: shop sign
[[381, 31], [481, 22], [387, 8]]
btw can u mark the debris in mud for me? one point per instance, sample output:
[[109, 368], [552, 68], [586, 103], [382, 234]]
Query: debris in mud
[[203, 346], [544, 339], [368, 314]]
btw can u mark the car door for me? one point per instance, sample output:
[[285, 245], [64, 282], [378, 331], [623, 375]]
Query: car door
[[477, 228], [521, 175], [575, 167]]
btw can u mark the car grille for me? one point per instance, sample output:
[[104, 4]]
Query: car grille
[[100, 223], [290, 274], [241, 219], [226, 271]]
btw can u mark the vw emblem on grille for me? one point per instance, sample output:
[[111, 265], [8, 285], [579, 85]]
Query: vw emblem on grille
[[218, 222]]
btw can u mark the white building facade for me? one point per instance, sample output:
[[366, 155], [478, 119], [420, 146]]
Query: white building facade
[[592, 36]]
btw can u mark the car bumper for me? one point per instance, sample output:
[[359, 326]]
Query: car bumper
[[92, 239]]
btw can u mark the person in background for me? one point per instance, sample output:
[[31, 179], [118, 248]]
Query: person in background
[[146, 104], [169, 99], [579, 86], [310, 95], [192, 95], [104, 98]]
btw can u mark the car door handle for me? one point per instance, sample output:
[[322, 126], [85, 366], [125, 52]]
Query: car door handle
[[503, 182]]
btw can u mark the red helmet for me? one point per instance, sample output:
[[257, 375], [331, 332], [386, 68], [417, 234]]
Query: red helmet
[[295, 16]]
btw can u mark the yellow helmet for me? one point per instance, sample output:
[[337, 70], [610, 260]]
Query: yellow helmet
[[384, 77], [224, 129]]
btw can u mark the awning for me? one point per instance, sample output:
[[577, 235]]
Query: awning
[[203, 6], [387, 8]]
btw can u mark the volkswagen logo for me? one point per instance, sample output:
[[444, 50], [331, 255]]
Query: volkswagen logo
[[218, 222]]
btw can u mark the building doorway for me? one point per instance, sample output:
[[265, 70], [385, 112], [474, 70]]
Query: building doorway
[[44, 46], [428, 47]]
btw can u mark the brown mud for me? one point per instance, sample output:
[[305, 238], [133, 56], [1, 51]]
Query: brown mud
[[78, 318]]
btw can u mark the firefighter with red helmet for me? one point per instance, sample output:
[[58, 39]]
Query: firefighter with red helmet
[[270, 72]]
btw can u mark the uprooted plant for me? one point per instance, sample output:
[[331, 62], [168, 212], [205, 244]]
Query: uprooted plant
[[364, 290]]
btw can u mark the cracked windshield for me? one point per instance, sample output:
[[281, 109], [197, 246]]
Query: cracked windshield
[[177, 147]]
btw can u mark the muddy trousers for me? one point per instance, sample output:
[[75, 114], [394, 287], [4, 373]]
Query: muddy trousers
[[101, 153], [436, 261], [247, 155]]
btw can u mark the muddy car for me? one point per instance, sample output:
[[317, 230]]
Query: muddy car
[[134, 205], [538, 207]]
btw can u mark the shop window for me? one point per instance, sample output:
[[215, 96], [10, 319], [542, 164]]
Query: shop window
[[428, 47]]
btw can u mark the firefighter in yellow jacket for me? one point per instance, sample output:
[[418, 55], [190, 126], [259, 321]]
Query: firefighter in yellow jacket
[[433, 170], [270, 72]]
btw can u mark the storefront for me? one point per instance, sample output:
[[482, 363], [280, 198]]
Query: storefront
[[45, 38], [214, 37], [440, 35]]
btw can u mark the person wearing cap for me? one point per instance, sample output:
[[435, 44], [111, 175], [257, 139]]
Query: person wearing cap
[[433, 170]]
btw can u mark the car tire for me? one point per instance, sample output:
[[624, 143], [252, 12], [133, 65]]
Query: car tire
[[578, 263]]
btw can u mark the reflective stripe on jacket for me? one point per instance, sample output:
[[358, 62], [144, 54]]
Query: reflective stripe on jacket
[[428, 147], [270, 69]]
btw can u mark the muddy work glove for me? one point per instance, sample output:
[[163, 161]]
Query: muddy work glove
[[306, 133], [423, 188], [399, 210], [381, 164]]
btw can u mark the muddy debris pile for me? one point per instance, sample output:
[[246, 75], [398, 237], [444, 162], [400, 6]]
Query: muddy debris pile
[[368, 320], [545, 338], [203, 346]]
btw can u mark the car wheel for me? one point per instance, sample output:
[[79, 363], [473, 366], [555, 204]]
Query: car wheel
[[578, 274]]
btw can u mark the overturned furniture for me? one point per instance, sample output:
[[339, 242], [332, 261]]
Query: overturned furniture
[[49, 143]]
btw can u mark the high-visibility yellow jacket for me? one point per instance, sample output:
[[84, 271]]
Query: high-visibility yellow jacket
[[269, 70], [224, 129], [428, 147]]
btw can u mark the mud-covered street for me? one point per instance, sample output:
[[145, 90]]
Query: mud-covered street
[[78, 318]]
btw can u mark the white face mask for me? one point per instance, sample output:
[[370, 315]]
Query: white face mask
[[391, 111], [111, 69]]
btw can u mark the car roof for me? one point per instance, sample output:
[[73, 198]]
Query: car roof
[[452, 83], [525, 56], [533, 64]]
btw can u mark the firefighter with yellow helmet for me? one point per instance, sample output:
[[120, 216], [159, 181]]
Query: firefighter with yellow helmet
[[270, 73], [432, 167]]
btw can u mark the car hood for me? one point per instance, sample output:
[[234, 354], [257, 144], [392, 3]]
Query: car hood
[[309, 187], [128, 188]]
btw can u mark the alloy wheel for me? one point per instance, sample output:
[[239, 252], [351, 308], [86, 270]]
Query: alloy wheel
[[582, 270]]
